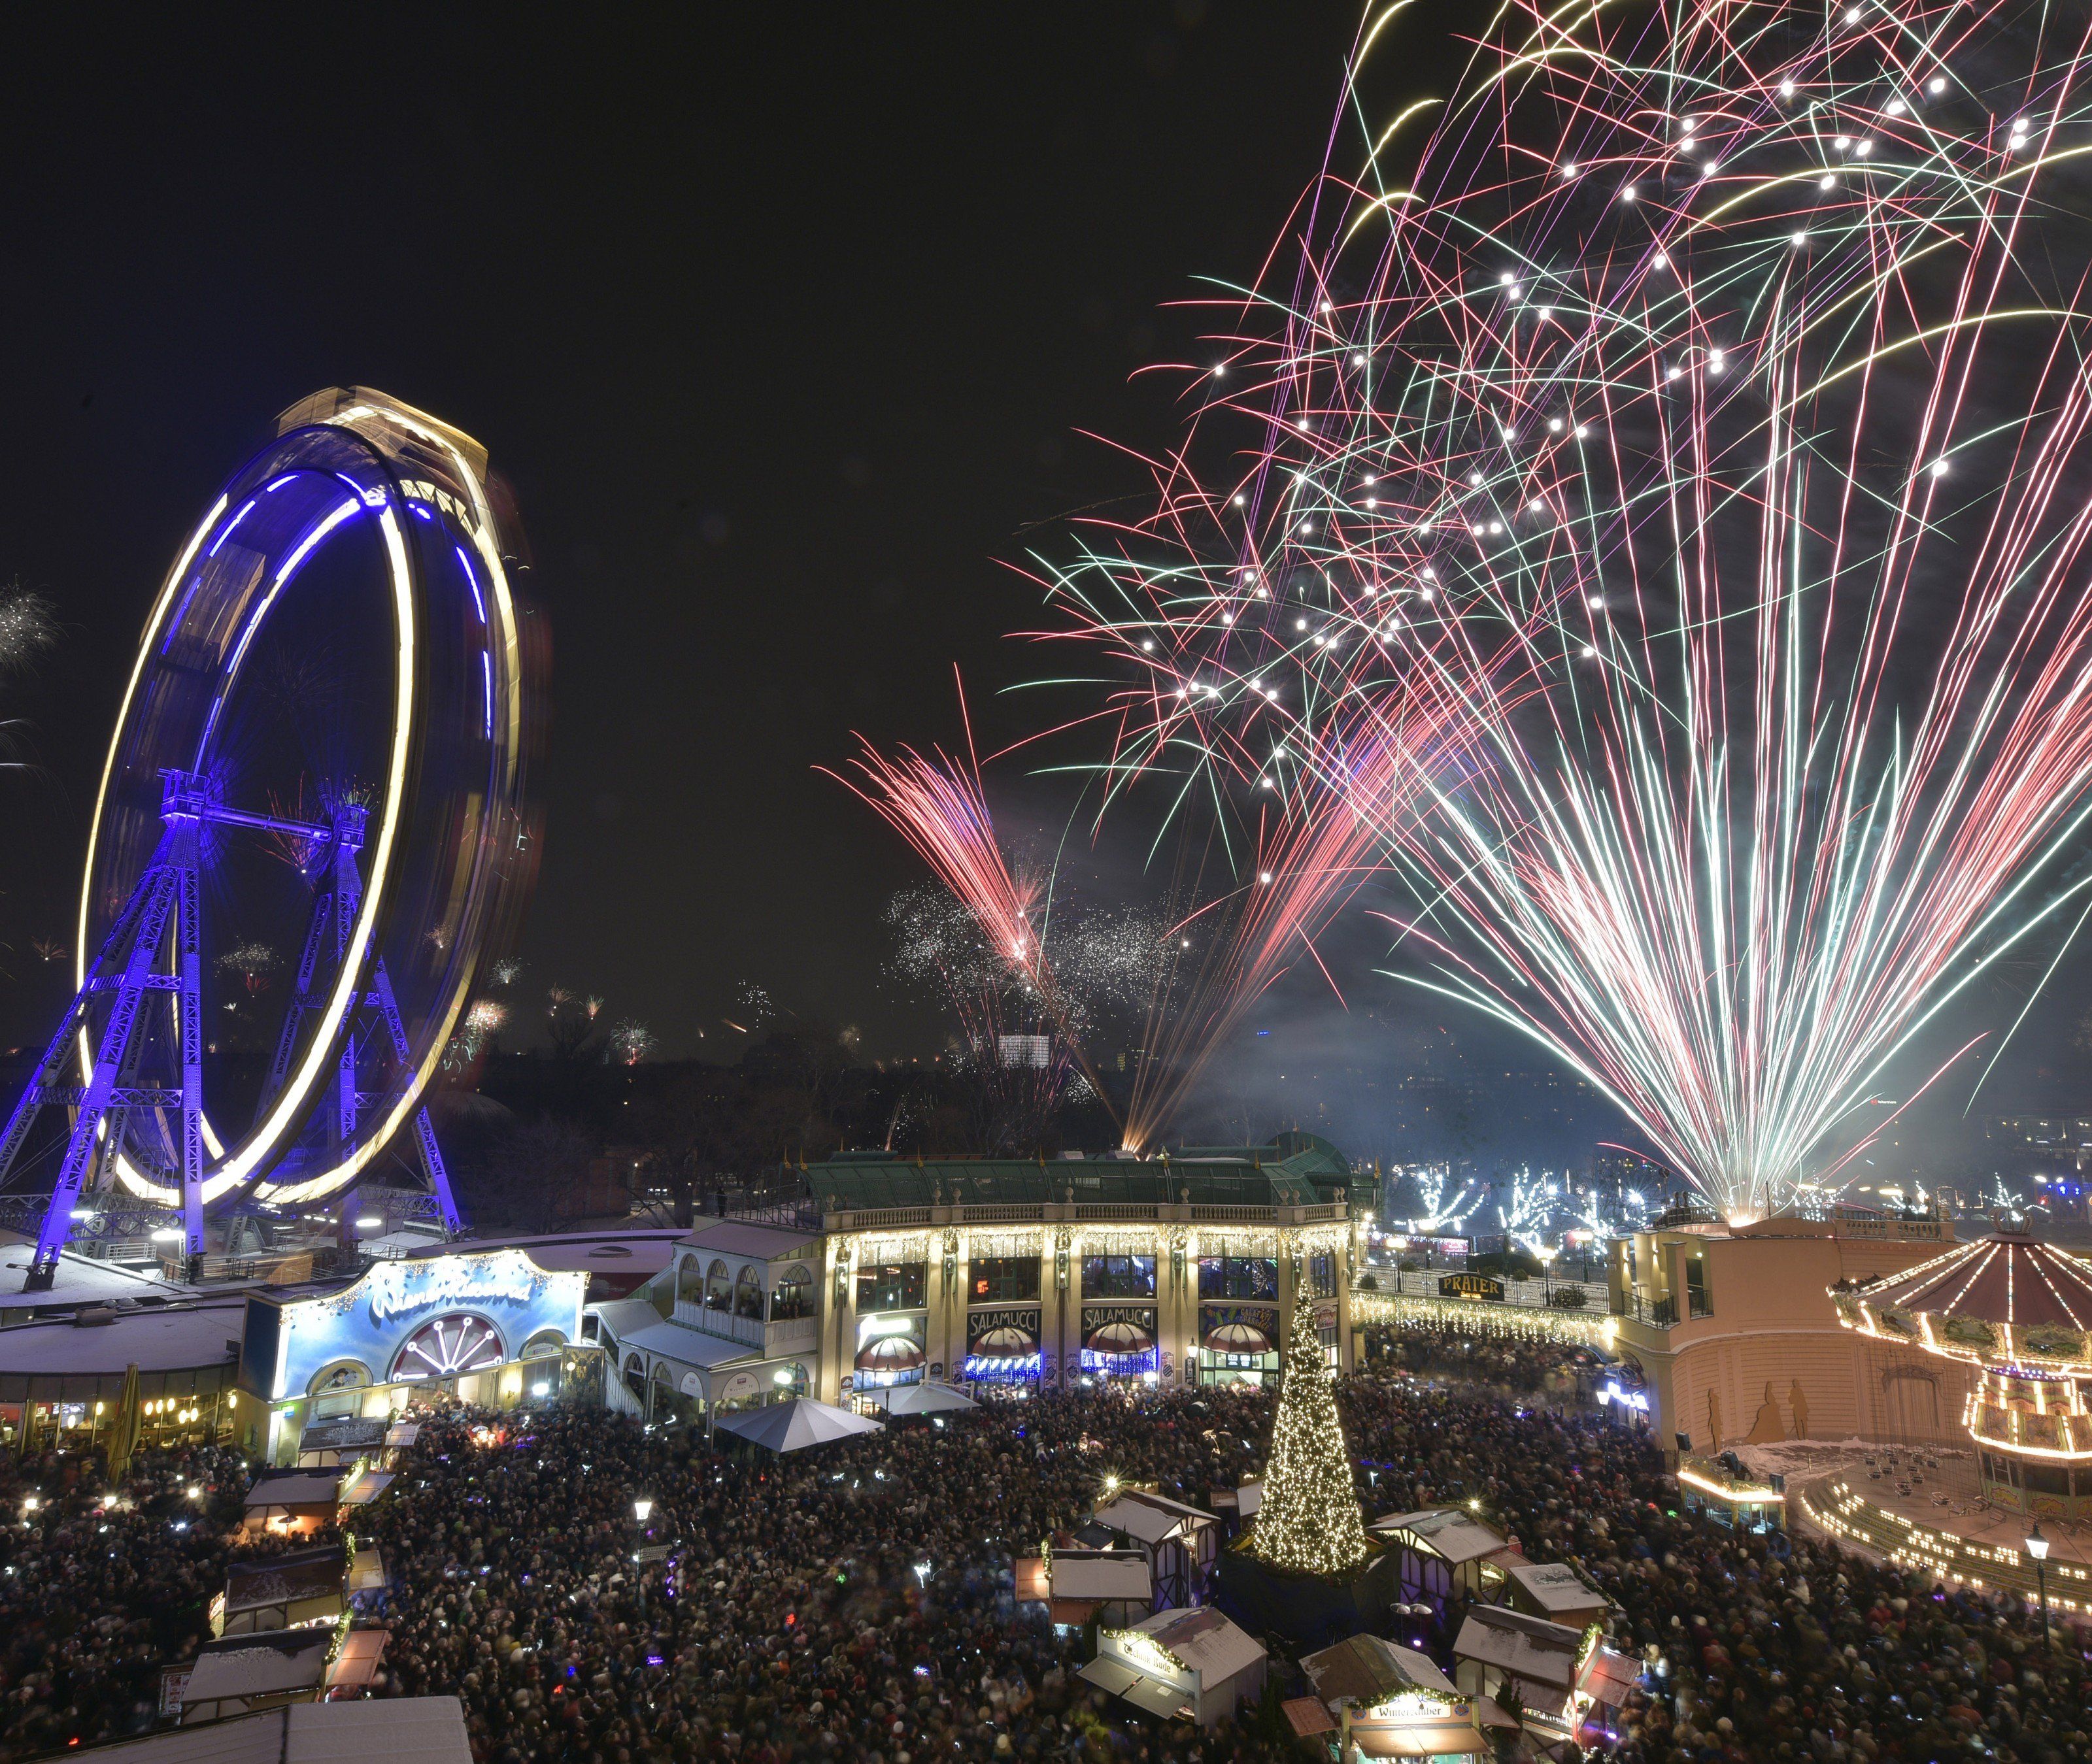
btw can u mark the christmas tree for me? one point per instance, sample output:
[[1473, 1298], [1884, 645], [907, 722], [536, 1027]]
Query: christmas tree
[[1309, 1520]]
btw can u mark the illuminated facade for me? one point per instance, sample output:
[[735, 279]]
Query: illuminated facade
[[1168, 1271], [732, 1322], [1728, 1337], [491, 1328]]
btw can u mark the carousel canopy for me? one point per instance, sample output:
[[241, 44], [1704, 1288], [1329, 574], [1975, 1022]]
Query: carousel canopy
[[2004, 1298], [2005, 1279]]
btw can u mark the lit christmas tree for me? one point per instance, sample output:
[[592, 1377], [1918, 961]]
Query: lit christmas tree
[[1308, 1520]]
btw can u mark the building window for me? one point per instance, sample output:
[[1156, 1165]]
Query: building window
[[1118, 1277], [1322, 1275], [892, 1286], [1696, 1286], [1004, 1279], [794, 1296], [689, 1283], [748, 1294], [1239, 1277], [2047, 1479]]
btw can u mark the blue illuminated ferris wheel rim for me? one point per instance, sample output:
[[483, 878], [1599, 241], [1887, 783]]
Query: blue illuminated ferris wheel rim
[[340, 460]]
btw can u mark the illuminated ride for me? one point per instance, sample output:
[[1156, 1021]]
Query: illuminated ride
[[2018, 1313], [310, 827]]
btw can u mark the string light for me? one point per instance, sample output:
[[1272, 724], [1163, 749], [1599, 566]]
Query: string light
[[1307, 1522]]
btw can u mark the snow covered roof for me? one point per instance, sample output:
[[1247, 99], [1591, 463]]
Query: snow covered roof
[[179, 1338], [1152, 1517], [259, 1665], [1557, 1587], [401, 1730], [274, 1579], [1531, 1647], [296, 1488], [1100, 1574], [1447, 1532], [1203, 1640], [1369, 1669], [737, 1237]]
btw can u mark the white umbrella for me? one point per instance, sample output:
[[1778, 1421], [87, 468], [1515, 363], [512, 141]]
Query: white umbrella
[[926, 1399], [794, 1425]]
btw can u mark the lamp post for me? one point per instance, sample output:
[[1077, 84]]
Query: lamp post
[[641, 1507], [2036, 1546]]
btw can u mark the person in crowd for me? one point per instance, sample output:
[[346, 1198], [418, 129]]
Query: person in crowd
[[854, 1602]]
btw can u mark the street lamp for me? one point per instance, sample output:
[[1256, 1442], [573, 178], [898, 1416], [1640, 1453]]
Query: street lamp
[[641, 1508], [2036, 1546]]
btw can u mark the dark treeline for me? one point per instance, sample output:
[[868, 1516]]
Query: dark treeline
[[563, 1133]]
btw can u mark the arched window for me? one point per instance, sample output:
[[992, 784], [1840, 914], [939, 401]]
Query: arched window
[[544, 1345], [748, 1294], [448, 1346], [719, 1287], [338, 1375], [635, 1376], [794, 1296], [689, 1283]]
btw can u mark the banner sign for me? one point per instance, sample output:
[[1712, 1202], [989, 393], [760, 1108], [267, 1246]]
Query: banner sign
[[1016, 1323], [1470, 1286], [1258, 1316]]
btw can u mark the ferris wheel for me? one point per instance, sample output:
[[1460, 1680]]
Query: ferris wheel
[[310, 827]]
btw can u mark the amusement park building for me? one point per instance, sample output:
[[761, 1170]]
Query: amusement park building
[[1174, 1271], [1736, 1340]]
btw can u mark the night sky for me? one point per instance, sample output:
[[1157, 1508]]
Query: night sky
[[785, 327]]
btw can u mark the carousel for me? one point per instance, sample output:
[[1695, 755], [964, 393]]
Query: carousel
[[2017, 1312]]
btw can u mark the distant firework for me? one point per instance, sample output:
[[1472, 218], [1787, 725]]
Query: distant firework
[[27, 627], [1677, 488]]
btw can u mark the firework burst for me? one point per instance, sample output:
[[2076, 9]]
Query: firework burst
[[1680, 479], [27, 627]]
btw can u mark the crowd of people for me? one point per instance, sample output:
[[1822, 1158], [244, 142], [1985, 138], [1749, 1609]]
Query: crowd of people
[[856, 1602], [852, 1604], [103, 1584], [1513, 1365]]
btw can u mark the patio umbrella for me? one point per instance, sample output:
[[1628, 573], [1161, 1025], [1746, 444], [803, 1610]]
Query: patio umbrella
[[926, 1399], [125, 1426], [795, 1426]]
